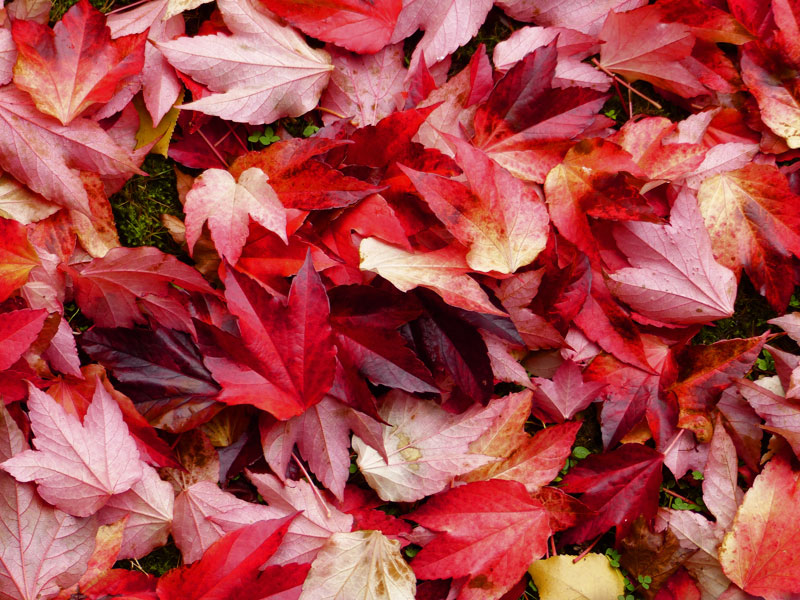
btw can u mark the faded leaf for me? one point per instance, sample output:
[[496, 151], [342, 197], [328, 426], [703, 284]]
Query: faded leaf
[[72, 463], [263, 72], [362, 564], [228, 205], [591, 578], [426, 447]]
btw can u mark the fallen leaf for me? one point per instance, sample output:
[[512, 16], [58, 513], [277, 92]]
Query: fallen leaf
[[426, 447], [78, 56], [18, 330], [44, 549], [650, 50], [366, 88], [566, 394], [228, 205], [620, 485], [536, 462], [263, 72], [502, 220], [362, 27], [114, 289], [47, 156], [755, 207], [444, 271], [148, 506], [591, 578], [756, 553], [673, 275], [72, 461], [229, 567], [288, 349], [361, 564], [488, 531]]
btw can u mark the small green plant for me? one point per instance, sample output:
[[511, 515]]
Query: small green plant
[[645, 581], [697, 476], [765, 362], [611, 113], [530, 591], [580, 452], [266, 138], [310, 130], [679, 504], [613, 557], [628, 588]]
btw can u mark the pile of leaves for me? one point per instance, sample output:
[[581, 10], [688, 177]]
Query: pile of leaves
[[367, 375]]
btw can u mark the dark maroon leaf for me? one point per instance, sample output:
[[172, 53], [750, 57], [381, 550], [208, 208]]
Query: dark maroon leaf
[[161, 370]]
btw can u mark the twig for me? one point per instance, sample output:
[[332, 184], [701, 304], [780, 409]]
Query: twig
[[626, 84], [553, 544], [625, 107], [331, 112], [236, 136], [123, 8], [671, 493], [213, 148], [589, 549]]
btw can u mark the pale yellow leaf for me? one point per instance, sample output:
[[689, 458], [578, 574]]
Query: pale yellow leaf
[[591, 578], [176, 7], [19, 203]]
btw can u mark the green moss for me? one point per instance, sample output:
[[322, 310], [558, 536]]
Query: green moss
[[61, 6], [495, 29], [139, 205], [158, 562]]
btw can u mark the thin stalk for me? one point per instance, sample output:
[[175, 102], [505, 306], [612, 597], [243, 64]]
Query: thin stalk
[[213, 148], [589, 549], [319, 497], [331, 112], [626, 84]]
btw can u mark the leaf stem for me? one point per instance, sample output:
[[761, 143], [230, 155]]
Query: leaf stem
[[318, 496], [671, 493], [236, 136], [213, 148], [126, 7], [626, 84], [331, 112], [589, 549]]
